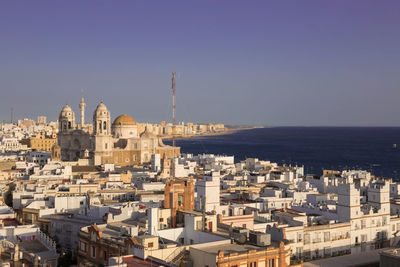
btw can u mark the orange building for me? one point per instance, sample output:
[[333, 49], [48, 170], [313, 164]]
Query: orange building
[[41, 143], [95, 247], [235, 255], [269, 257], [178, 195]]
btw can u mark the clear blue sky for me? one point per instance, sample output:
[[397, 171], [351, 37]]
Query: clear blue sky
[[238, 62]]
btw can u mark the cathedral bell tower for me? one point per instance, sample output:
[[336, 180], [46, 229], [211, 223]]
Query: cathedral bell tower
[[102, 135], [66, 119]]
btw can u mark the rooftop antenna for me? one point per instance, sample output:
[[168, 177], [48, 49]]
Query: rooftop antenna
[[173, 124], [12, 116]]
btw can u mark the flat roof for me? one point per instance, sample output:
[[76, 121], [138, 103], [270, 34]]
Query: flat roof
[[359, 259], [230, 248], [395, 253], [145, 236], [34, 246]]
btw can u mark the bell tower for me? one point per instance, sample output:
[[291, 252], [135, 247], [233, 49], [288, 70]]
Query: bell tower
[[103, 144], [66, 119]]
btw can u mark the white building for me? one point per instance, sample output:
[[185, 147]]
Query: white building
[[208, 193]]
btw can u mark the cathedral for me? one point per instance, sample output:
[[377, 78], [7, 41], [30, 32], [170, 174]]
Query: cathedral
[[102, 142]]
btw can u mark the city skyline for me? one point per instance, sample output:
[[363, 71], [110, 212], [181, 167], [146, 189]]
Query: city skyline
[[199, 133], [297, 64]]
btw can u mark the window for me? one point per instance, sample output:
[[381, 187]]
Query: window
[[180, 200], [299, 252], [105, 125], [306, 239], [105, 255], [363, 224], [271, 263], [83, 246], [150, 244], [93, 252], [253, 264], [299, 238], [363, 238], [326, 236], [105, 145]]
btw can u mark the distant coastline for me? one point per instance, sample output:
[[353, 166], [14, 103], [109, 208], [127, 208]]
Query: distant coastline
[[229, 130]]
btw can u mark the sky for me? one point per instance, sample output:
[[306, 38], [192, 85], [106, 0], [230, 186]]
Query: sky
[[275, 63]]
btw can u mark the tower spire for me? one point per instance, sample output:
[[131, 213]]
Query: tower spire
[[82, 105], [12, 116]]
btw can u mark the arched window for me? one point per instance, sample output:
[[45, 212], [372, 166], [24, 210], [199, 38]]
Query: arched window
[[100, 126], [105, 126], [65, 126], [69, 125]]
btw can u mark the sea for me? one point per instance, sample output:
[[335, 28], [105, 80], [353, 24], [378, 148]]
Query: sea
[[375, 149]]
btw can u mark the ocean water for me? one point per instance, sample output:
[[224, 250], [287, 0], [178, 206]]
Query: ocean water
[[317, 148]]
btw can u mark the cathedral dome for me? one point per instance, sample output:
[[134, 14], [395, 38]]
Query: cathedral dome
[[124, 120]]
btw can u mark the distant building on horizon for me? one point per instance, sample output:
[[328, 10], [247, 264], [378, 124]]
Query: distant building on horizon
[[42, 120]]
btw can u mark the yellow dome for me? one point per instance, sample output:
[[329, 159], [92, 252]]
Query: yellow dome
[[124, 120]]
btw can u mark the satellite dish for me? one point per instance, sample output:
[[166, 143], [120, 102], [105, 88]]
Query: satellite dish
[[241, 239]]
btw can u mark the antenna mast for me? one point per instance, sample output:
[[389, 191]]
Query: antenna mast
[[173, 124], [12, 116]]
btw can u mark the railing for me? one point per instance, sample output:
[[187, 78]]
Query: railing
[[178, 257], [46, 240], [175, 254]]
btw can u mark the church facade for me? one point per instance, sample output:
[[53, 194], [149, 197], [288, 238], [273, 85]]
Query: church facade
[[105, 142]]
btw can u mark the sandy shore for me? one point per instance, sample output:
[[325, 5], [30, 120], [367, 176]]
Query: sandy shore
[[225, 132]]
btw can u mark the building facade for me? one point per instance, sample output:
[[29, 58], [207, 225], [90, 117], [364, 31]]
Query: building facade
[[178, 195], [41, 142]]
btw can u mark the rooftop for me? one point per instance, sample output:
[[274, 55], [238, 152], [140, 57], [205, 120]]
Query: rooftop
[[367, 258], [230, 248], [392, 253]]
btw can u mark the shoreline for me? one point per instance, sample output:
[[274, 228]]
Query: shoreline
[[225, 132]]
